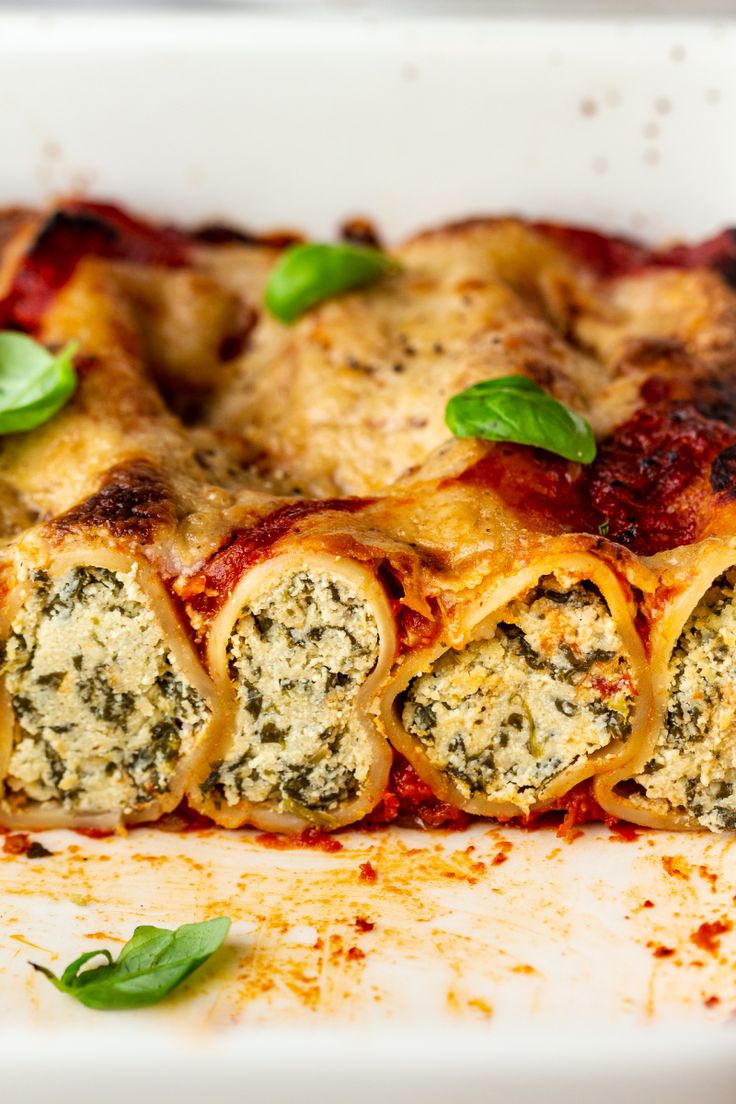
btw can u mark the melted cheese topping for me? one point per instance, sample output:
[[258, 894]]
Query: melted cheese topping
[[103, 716], [508, 714], [694, 765], [354, 394], [298, 657]]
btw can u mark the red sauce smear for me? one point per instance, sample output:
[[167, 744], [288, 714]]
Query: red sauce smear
[[20, 843], [609, 256], [544, 487], [606, 255], [707, 936], [77, 230], [368, 872], [208, 589], [313, 838], [578, 806], [17, 843], [184, 819], [413, 629], [95, 833], [651, 486], [410, 800], [650, 479]]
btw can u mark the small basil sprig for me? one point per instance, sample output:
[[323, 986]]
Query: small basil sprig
[[306, 275], [152, 963], [514, 408], [34, 383]]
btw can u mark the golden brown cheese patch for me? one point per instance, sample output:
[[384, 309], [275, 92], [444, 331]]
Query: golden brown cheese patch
[[354, 394]]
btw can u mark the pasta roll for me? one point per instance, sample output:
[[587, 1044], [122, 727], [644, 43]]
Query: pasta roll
[[684, 776], [537, 678], [106, 706], [301, 642]]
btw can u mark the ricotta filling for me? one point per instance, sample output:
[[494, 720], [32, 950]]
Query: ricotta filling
[[693, 767], [298, 656], [506, 715], [102, 713]]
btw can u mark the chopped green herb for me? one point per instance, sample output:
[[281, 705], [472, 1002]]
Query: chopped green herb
[[307, 274], [152, 963], [514, 408], [34, 383], [604, 527]]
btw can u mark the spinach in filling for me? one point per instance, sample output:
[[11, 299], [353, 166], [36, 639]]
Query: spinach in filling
[[693, 768], [298, 657], [102, 714], [507, 714]]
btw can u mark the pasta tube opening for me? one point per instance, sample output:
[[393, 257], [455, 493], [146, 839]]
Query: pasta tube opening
[[539, 696], [300, 647], [689, 777], [104, 710]]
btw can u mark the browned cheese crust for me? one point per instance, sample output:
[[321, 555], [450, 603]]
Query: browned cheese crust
[[247, 562]]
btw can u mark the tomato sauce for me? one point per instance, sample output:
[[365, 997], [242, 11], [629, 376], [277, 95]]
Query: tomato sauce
[[651, 487], [608, 256], [313, 838], [651, 478], [708, 935], [408, 799], [575, 808], [546, 488], [209, 589], [77, 230]]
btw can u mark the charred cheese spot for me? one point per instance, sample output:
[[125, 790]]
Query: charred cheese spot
[[693, 767], [102, 715], [507, 714], [298, 657]]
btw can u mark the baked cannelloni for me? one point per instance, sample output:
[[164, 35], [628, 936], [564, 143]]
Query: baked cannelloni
[[249, 562]]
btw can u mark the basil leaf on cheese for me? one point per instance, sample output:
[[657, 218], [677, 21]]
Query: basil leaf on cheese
[[514, 408], [152, 963], [34, 383], [307, 274]]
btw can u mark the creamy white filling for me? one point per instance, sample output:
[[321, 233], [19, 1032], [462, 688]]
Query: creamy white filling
[[506, 715], [693, 767], [102, 713], [298, 657]]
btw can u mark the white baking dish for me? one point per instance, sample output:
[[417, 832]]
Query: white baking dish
[[537, 977]]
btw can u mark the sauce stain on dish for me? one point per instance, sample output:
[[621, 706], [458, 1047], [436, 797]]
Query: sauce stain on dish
[[446, 932]]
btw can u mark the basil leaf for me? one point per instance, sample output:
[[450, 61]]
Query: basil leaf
[[152, 963], [34, 384], [514, 408], [307, 274]]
